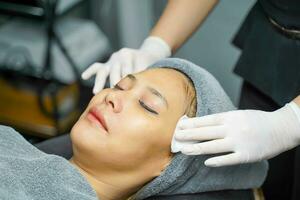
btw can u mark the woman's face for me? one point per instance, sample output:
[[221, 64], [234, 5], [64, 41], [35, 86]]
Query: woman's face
[[140, 114]]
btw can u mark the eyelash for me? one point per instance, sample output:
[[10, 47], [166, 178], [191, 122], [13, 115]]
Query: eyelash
[[147, 108], [141, 103]]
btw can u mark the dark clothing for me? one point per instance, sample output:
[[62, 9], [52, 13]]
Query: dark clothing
[[270, 66], [252, 98], [285, 12], [270, 61], [280, 179]]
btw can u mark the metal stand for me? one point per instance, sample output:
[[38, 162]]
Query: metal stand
[[53, 86], [46, 10]]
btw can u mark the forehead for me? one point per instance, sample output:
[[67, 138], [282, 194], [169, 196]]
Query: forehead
[[170, 83], [162, 75]]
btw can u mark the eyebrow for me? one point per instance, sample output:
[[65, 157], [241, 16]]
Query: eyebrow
[[151, 89]]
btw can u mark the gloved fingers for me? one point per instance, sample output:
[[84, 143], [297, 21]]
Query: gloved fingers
[[208, 120], [126, 66], [115, 73], [201, 134], [91, 70], [100, 80], [139, 64], [210, 147], [225, 160]]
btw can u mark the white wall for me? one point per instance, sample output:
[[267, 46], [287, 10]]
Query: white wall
[[135, 21]]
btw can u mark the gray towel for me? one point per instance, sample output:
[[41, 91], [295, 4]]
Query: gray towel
[[188, 174], [26, 173]]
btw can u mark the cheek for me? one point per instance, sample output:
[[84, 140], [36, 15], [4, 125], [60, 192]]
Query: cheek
[[135, 138], [141, 136], [132, 128], [128, 143]]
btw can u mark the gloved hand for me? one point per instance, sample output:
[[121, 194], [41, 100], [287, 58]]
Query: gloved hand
[[126, 61], [246, 135]]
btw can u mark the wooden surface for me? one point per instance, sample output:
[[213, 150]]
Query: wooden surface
[[19, 108]]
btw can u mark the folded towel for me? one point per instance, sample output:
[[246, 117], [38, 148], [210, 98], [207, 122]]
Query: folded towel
[[26, 173], [188, 174]]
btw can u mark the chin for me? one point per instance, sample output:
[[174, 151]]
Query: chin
[[85, 136]]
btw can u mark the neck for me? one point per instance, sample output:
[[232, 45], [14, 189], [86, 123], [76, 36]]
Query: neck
[[112, 185]]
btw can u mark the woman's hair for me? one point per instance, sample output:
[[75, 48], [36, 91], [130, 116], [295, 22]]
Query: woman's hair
[[191, 109]]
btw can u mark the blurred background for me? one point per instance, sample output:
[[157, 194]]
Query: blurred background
[[45, 45]]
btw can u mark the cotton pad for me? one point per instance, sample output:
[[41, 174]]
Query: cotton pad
[[177, 145]]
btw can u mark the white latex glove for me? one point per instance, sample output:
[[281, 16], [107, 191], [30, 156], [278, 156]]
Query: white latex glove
[[246, 135], [126, 61]]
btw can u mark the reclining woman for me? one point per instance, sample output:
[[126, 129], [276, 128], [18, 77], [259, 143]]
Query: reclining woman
[[121, 144]]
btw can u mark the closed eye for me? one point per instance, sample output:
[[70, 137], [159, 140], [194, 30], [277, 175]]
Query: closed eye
[[141, 102], [147, 108]]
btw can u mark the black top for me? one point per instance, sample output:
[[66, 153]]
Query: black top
[[270, 61], [286, 12]]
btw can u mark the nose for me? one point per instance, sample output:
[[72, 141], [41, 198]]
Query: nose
[[114, 101]]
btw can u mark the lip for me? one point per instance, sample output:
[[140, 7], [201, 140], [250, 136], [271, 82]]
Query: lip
[[95, 114]]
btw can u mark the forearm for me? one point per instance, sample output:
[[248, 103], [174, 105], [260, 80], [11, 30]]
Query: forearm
[[180, 19], [297, 100]]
